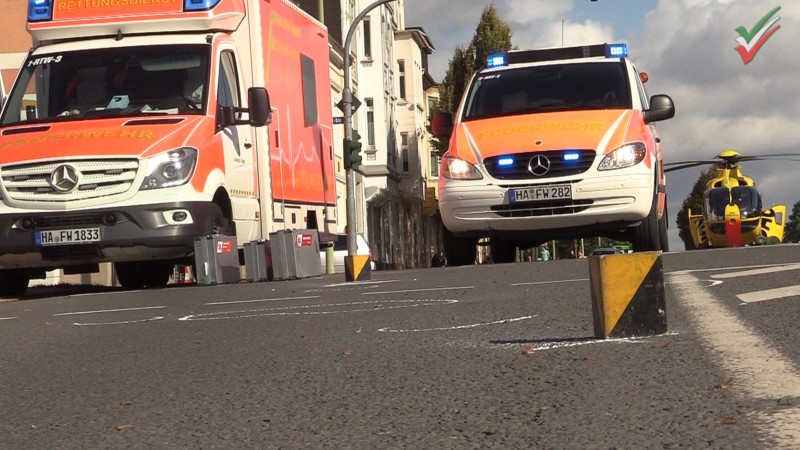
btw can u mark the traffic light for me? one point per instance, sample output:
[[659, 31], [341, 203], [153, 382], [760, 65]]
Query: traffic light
[[352, 149]]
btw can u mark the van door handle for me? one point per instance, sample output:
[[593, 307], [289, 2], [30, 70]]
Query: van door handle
[[247, 145]]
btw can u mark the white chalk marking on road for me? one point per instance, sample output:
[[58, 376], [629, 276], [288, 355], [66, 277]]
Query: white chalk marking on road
[[761, 271], [712, 269], [770, 294], [549, 282], [573, 342], [756, 367], [99, 311], [262, 300], [7, 318], [298, 310], [360, 283], [403, 291], [123, 322], [711, 283], [457, 327]]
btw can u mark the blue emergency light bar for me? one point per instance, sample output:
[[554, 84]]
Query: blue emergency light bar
[[39, 10], [571, 156], [551, 54], [505, 161], [199, 5]]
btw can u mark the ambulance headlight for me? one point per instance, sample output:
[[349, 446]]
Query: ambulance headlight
[[626, 156], [458, 169], [172, 168]]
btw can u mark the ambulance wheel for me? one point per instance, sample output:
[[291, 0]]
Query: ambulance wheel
[[129, 274], [646, 237], [458, 251], [143, 274], [503, 251], [13, 283], [662, 230]]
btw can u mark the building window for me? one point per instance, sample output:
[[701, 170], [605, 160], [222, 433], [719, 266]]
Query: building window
[[401, 73], [404, 150], [435, 160], [370, 122], [367, 38]]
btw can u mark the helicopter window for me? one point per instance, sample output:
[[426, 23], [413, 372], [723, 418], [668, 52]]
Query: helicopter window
[[747, 199], [715, 201]]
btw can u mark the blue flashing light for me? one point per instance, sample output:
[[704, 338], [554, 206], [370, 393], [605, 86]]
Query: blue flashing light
[[39, 10], [616, 50], [571, 156], [497, 60], [199, 5], [505, 161]]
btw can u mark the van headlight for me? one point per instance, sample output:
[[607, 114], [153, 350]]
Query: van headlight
[[458, 169], [626, 156], [172, 168]]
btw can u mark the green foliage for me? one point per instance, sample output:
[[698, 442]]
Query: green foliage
[[693, 201], [792, 231], [491, 35]]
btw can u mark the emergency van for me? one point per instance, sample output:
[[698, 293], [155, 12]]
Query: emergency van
[[553, 144], [135, 127]]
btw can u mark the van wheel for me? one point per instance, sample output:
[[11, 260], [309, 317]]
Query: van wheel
[[503, 251], [13, 283], [646, 237], [662, 230], [458, 251]]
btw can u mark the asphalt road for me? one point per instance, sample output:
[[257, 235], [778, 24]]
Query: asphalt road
[[493, 356]]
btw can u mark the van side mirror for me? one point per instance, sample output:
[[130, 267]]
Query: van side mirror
[[442, 124], [259, 108], [661, 108]]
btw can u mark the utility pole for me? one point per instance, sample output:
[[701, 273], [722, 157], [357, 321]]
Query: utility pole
[[347, 109]]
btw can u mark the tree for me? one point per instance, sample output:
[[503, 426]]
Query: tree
[[491, 35], [693, 201], [792, 231]]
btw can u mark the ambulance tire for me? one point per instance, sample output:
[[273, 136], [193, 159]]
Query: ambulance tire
[[503, 251], [458, 251], [13, 283], [129, 274], [646, 237], [662, 230]]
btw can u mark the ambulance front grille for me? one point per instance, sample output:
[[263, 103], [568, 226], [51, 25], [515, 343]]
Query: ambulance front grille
[[556, 163], [60, 182]]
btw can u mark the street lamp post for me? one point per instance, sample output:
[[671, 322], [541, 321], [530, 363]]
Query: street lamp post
[[347, 102]]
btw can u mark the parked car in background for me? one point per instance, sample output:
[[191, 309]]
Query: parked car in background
[[606, 251], [340, 251]]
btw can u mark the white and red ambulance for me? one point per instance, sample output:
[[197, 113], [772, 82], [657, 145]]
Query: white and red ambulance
[[135, 126]]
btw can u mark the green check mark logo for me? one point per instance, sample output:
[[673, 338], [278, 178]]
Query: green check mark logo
[[751, 41]]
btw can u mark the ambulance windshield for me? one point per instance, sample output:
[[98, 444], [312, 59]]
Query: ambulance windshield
[[547, 88], [103, 83]]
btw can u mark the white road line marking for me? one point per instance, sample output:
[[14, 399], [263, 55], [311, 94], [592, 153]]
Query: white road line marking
[[360, 283], [403, 291], [7, 318], [78, 313], [755, 266], [262, 300], [770, 294], [124, 322], [549, 282], [572, 342], [457, 327], [757, 368], [298, 310], [745, 273]]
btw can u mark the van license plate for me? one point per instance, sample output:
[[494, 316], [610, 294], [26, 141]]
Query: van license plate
[[67, 236], [535, 194]]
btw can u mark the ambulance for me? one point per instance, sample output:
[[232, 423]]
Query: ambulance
[[135, 126], [553, 144]]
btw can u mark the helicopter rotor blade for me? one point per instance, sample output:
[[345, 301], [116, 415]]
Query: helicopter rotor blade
[[670, 167]]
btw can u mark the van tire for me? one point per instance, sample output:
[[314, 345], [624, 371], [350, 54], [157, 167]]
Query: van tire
[[458, 251], [646, 237], [503, 251], [13, 283], [143, 274], [662, 229]]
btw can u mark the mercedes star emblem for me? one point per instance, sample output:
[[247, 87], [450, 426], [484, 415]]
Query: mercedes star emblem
[[64, 179], [539, 165]]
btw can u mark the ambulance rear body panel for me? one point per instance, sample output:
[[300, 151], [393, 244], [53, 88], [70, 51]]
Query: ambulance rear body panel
[[538, 153], [130, 171]]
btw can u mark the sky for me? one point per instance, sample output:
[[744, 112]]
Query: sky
[[688, 47]]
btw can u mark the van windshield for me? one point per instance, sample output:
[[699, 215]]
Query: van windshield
[[124, 81], [547, 88]]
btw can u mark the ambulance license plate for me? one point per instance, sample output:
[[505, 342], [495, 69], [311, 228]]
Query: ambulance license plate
[[67, 236], [535, 194]]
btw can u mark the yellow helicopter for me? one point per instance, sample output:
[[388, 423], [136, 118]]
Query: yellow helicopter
[[732, 214]]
